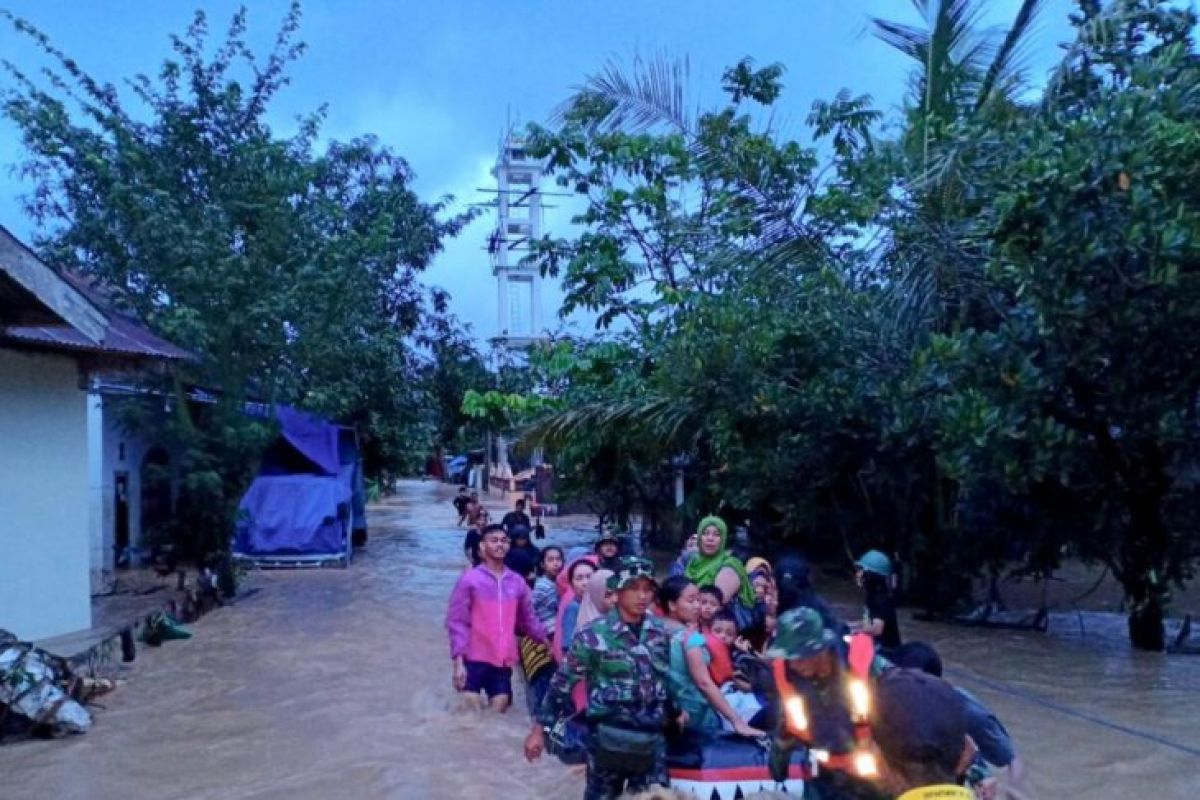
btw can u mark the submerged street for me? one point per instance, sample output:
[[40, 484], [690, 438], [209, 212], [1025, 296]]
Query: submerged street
[[331, 683]]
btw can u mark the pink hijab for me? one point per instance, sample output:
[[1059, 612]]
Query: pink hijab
[[565, 595], [591, 606], [594, 602]]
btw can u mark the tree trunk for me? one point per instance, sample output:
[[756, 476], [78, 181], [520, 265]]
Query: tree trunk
[[1146, 630], [1144, 555]]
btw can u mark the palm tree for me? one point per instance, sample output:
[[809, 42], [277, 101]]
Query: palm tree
[[964, 70], [963, 73], [961, 67]]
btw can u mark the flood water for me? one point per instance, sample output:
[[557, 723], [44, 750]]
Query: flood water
[[336, 683]]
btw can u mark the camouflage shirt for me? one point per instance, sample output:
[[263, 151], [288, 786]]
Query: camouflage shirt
[[627, 673]]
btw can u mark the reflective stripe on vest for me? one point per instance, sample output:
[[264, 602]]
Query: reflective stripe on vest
[[795, 714]]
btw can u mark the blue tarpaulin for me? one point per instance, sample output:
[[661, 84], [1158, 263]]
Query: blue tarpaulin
[[313, 437], [300, 505], [293, 515]]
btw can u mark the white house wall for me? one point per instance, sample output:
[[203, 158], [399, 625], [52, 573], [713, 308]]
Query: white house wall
[[101, 561], [112, 449], [44, 496]]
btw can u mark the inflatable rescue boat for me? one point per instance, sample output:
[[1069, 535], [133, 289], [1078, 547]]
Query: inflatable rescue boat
[[731, 767]]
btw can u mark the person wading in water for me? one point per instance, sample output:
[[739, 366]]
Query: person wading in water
[[624, 658], [489, 606], [822, 702], [608, 550], [919, 724], [517, 518], [873, 572]]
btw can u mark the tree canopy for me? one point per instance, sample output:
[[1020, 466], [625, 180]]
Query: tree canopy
[[965, 335], [289, 264]]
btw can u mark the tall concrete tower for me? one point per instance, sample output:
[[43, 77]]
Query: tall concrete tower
[[518, 223]]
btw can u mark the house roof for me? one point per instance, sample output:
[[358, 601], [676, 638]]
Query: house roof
[[121, 338], [53, 309]]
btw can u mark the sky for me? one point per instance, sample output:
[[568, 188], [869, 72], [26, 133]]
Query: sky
[[440, 81]]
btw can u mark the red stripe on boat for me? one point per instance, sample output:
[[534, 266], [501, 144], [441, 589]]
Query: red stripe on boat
[[795, 772]]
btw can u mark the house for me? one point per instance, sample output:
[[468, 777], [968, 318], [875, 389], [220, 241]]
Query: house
[[132, 474], [55, 335]]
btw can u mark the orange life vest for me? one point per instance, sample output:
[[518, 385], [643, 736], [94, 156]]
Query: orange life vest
[[795, 715], [720, 669]]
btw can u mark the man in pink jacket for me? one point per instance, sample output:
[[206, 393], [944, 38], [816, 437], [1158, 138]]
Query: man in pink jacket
[[489, 607]]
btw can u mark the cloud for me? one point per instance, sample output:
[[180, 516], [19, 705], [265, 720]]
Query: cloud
[[410, 123], [463, 267]]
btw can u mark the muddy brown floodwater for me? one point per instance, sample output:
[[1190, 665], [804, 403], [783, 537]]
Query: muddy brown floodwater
[[335, 684]]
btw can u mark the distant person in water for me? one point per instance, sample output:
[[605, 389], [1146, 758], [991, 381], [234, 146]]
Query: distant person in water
[[523, 555], [471, 548], [460, 504], [874, 574], [515, 519], [475, 511], [608, 549], [490, 606]]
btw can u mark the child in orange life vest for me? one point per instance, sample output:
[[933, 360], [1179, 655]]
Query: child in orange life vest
[[728, 648]]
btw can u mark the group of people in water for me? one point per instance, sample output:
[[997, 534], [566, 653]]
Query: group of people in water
[[621, 667]]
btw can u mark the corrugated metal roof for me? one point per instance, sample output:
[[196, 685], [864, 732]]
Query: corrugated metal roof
[[122, 337], [122, 334]]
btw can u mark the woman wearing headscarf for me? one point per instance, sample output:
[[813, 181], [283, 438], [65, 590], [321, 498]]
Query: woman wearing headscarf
[[766, 595], [762, 577], [570, 599], [593, 602], [714, 565], [596, 601]]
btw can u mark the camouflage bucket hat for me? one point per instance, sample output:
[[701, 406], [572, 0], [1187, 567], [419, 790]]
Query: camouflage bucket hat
[[607, 534], [801, 634], [630, 570]]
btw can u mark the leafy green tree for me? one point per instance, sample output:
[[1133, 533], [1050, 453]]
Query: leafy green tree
[[1087, 387], [730, 262], [289, 268], [455, 368], [967, 342]]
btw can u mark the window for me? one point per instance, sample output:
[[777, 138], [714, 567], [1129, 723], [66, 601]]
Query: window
[[520, 306]]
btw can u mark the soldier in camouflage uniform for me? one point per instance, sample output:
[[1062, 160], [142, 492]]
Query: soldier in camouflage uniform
[[817, 669], [623, 658]]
